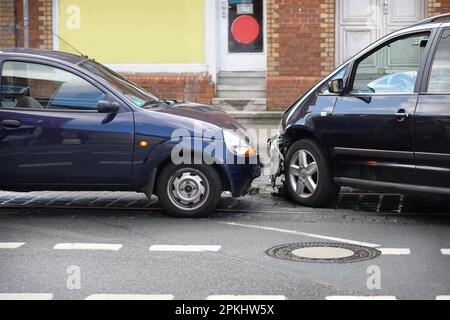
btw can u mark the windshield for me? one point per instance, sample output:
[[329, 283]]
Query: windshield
[[132, 91]]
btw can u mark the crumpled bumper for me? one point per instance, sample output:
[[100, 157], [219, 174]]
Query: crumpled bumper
[[276, 158], [242, 176]]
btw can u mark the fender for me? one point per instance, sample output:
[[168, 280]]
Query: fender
[[161, 155]]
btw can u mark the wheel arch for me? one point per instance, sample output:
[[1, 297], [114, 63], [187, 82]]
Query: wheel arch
[[297, 133], [150, 189]]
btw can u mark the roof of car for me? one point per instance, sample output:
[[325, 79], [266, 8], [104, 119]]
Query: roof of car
[[439, 18], [63, 56]]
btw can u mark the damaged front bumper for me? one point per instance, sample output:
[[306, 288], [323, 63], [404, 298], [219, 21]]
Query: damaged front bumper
[[276, 158]]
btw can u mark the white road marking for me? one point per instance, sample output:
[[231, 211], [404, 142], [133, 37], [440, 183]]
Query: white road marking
[[445, 252], [244, 297], [117, 297], [184, 248], [11, 245], [88, 246], [443, 298], [350, 298], [26, 296], [304, 234], [395, 251]]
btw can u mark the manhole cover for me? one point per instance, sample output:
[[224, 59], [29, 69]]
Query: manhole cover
[[323, 252]]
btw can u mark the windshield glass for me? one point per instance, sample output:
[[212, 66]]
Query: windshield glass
[[132, 91]]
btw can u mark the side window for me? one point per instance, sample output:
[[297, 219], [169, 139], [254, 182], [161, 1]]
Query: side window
[[440, 72], [339, 75], [393, 68], [36, 86]]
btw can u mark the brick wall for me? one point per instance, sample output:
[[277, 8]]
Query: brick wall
[[41, 21], [301, 47], [42, 24], [189, 87], [7, 24], [436, 7]]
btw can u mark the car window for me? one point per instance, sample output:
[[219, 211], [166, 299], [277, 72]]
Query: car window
[[393, 68], [132, 91], [339, 75], [440, 72], [37, 86]]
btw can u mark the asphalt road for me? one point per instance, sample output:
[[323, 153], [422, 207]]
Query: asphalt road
[[58, 246]]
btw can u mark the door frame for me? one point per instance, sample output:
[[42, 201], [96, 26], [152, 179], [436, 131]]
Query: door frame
[[383, 153], [213, 38], [97, 83]]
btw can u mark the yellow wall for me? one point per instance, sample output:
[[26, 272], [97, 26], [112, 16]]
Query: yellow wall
[[134, 31]]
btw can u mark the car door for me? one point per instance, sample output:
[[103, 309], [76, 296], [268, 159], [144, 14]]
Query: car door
[[432, 119], [372, 136], [52, 134]]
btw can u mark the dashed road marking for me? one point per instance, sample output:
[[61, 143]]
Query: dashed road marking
[[445, 252], [117, 297], [443, 298], [350, 298], [11, 245], [88, 246], [246, 297], [304, 234], [184, 248], [395, 251], [26, 296]]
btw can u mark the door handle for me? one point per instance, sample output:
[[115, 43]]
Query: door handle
[[401, 115], [11, 124]]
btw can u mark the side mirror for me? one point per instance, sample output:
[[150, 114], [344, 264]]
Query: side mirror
[[105, 106], [336, 86]]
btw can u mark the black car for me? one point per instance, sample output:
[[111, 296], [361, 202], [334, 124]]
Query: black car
[[381, 121]]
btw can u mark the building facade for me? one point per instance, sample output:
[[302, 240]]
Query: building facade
[[251, 55]]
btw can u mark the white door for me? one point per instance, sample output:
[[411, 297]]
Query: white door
[[361, 22], [242, 37]]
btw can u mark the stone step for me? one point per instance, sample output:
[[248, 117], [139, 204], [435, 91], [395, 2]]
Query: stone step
[[238, 104], [242, 74], [272, 118], [241, 81], [242, 92], [243, 95], [241, 88]]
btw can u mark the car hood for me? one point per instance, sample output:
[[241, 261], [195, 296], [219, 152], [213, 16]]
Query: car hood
[[201, 112]]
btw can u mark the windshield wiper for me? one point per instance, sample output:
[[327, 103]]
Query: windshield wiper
[[151, 103], [169, 102]]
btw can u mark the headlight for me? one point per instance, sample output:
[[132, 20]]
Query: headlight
[[237, 144]]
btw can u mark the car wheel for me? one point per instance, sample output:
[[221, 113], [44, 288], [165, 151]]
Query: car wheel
[[189, 191], [308, 175]]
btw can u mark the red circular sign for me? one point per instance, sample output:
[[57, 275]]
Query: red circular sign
[[245, 29]]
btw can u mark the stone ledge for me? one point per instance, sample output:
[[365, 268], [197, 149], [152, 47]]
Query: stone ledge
[[270, 115]]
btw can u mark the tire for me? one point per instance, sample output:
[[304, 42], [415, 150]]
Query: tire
[[198, 192], [326, 190]]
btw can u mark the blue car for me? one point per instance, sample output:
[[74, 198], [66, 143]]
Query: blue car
[[70, 123]]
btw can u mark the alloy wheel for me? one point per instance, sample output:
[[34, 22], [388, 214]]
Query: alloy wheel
[[303, 174]]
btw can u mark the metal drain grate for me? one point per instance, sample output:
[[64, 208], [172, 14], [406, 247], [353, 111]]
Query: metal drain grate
[[323, 252]]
